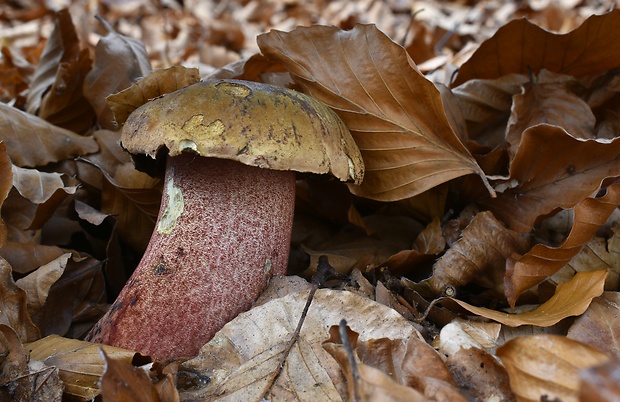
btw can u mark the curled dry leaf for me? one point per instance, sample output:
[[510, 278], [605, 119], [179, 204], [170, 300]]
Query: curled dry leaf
[[395, 114], [522, 47], [547, 366], [543, 261], [599, 326], [474, 369], [241, 361], [119, 61], [61, 46], [21, 379], [80, 363], [6, 183], [479, 255], [570, 299], [31, 141], [13, 306], [551, 170], [549, 99], [122, 381], [600, 383], [157, 83]]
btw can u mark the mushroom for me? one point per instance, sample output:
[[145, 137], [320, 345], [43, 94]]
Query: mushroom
[[225, 220]]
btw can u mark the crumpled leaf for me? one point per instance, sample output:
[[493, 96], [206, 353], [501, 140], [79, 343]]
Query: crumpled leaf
[[240, 362], [157, 83], [599, 326], [80, 363], [22, 379], [13, 306], [547, 366], [474, 368], [543, 261], [549, 99], [366, 382], [600, 383], [122, 381], [395, 115], [61, 46], [479, 256], [538, 184], [31, 141], [6, 183], [522, 47], [119, 61], [570, 299]]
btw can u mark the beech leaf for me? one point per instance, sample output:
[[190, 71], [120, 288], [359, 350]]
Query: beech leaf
[[543, 261], [547, 366], [552, 170], [6, 183], [31, 141], [13, 306], [570, 299], [395, 114], [522, 47]]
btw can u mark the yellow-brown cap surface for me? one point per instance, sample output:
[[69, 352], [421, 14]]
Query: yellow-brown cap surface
[[253, 123]]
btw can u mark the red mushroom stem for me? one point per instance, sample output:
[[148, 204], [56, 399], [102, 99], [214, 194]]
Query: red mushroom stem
[[223, 230]]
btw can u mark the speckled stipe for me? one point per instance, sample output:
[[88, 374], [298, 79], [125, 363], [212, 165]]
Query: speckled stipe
[[233, 234]]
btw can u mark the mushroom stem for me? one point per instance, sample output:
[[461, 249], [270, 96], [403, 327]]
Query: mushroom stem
[[223, 230]]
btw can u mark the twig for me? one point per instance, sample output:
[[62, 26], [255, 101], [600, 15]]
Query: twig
[[346, 343]]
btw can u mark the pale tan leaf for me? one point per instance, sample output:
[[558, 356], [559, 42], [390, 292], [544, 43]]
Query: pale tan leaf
[[243, 357], [80, 363], [547, 366], [31, 141], [570, 299], [395, 114]]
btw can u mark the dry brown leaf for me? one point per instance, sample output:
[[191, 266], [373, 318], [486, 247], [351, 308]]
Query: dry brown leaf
[[521, 47], [600, 383], [80, 363], [549, 99], [242, 359], [31, 141], [21, 379], [570, 299], [479, 256], [26, 257], [547, 366], [123, 382], [475, 369], [157, 83], [395, 114], [13, 306], [61, 46], [599, 326], [543, 261], [119, 61], [551, 170], [6, 183]]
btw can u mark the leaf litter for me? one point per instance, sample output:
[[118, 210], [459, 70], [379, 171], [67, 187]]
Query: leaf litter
[[489, 133]]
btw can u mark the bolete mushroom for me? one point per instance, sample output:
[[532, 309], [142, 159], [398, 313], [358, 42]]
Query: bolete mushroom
[[225, 220]]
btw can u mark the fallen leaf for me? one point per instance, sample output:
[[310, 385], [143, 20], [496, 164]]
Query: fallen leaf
[[80, 363], [600, 383], [13, 306], [479, 255], [570, 299], [121, 381], [543, 261], [395, 115], [599, 326], [6, 183], [240, 362], [31, 141], [119, 61], [551, 170], [520, 46], [547, 366]]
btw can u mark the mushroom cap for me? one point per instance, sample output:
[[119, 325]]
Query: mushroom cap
[[253, 123]]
